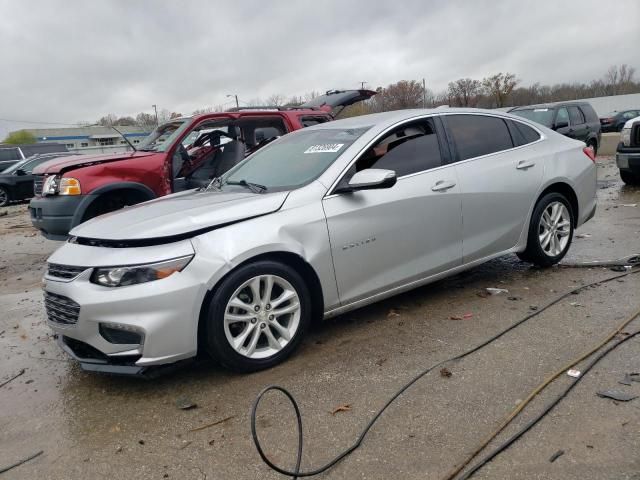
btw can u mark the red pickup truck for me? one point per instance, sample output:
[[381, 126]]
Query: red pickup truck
[[182, 154]]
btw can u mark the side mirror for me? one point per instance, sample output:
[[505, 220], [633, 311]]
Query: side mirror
[[370, 179], [20, 172], [560, 125]]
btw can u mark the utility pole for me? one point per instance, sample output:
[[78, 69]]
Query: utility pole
[[424, 94], [236, 97], [155, 109]]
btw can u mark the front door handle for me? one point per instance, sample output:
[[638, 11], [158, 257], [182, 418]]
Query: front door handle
[[442, 186], [524, 164]]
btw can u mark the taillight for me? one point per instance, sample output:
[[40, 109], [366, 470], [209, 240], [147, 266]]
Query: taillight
[[588, 151]]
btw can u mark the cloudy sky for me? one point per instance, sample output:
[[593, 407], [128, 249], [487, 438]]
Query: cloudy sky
[[69, 61]]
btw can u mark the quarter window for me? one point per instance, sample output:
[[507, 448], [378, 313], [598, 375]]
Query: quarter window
[[523, 134], [477, 135], [577, 118], [408, 149]]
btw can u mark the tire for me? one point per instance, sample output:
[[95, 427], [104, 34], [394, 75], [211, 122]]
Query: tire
[[5, 198], [629, 178], [539, 253], [226, 319]]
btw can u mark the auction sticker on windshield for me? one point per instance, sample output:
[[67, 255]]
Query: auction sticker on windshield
[[326, 148]]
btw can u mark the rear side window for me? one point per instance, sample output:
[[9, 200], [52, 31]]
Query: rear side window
[[311, 121], [477, 135], [576, 116], [523, 134], [7, 154]]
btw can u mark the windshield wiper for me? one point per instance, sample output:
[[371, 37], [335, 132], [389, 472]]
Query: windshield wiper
[[254, 187], [124, 138]]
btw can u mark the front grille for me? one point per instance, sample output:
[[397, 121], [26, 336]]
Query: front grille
[[66, 272], [61, 309], [38, 181], [635, 135]]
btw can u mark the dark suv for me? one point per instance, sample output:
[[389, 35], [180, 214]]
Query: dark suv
[[614, 121], [628, 152], [12, 154], [573, 119]]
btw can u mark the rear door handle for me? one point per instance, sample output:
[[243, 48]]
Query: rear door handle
[[524, 164], [442, 186]]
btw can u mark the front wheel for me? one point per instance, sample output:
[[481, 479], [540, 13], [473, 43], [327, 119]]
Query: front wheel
[[257, 316], [4, 197], [550, 231]]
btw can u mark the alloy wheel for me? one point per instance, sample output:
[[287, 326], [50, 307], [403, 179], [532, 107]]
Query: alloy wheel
[[4, 197], [262, 316], [554, 229]]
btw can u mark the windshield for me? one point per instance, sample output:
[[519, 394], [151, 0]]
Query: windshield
[[543, 116], [163, 136], [294, 160], [17, 166]]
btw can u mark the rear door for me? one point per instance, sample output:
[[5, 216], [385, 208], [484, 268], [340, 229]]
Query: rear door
[[498, 179], [578, 124], [386, 238]]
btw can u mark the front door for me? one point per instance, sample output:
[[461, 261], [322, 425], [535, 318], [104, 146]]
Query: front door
[[386, 238]]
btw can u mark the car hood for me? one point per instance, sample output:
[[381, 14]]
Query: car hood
[[178, 216], [62, 164]]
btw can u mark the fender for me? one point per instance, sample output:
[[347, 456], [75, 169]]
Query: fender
[[95, 194]]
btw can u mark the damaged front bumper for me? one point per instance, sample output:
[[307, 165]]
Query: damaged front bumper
[[127, 330]]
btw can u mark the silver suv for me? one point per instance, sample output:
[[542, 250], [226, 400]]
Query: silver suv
[[323, 220]]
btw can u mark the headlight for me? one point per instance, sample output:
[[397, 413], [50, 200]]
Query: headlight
[[50, 185], [625, 136], [134, 274], [64, 186]]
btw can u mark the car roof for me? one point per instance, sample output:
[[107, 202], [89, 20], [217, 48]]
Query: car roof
[[386, 119], [551, 105]]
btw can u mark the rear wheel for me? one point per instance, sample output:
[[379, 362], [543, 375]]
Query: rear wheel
[[258, 316], [550, 231], [629, 178], [4, 197]]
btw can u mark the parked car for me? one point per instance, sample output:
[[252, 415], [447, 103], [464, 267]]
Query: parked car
[[319, 222], [628, 152], [614, 121], [573, 119], [182, 154], [12, 154], [16, 182]]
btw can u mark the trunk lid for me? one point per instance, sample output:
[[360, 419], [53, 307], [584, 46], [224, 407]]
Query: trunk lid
[[339, 98]]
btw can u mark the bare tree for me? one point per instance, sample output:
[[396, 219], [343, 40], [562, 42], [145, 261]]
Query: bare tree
[[499, 87], [398, 96], [276, 100], [465, 92], [108, 120], [146, 120], [619, 79]]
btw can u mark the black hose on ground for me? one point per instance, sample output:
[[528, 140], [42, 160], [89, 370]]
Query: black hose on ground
[[296, 473]]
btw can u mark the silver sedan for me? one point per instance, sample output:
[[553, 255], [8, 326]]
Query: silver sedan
[[321, 221]]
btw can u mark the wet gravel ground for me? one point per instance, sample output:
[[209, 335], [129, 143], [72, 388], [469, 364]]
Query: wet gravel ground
[[93, 426]]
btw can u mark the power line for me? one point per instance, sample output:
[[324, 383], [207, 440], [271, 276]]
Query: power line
[[40, 122]]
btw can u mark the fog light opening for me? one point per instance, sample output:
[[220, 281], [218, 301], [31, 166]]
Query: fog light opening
[[121, 334]]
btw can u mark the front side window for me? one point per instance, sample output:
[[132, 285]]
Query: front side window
[[477, 135], [408, 149], [295, 159], [576, 116], [562, 116]]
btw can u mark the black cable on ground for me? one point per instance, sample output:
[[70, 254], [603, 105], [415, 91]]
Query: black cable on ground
[[547, 409], [296, 473]]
